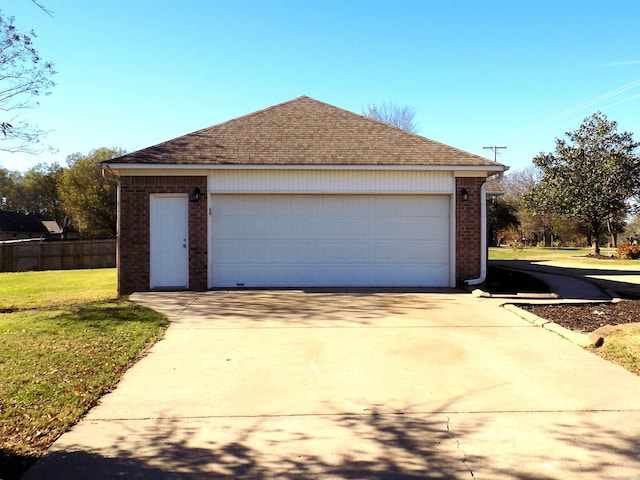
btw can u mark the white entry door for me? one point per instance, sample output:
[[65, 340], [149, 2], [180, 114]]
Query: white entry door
[[168, 245]]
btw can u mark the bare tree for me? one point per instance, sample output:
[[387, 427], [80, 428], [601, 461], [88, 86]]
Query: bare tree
[[23, 77], [532, 227], [401, 117], [43, 8]]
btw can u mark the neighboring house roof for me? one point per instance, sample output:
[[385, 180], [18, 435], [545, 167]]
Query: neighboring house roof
[[304, 131], [21, 223], [51, 226]]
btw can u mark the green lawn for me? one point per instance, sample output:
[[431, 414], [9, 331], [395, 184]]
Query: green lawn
[[55, 287], [542, 254], [622, 348], [65, 340], [609, 272]]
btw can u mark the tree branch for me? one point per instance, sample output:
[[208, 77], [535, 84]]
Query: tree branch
[[43, 8]]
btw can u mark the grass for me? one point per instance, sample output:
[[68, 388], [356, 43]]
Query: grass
[[25, 290], [609, 273], [622, 348], [546, 254], [65, 340]]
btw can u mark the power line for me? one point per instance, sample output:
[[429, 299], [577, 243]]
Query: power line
[[536, 129], [495, 151]]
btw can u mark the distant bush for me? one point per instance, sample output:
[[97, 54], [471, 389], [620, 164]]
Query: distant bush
[[516, 246], [629, 252]]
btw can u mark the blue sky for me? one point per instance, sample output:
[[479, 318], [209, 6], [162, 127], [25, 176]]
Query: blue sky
[[133, 73]]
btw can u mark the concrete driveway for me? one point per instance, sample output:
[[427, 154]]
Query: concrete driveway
[[290, 385]]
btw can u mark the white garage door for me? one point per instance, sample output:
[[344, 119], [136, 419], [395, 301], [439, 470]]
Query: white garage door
[[329, 240]]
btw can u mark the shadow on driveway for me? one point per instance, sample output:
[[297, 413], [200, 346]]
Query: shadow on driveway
[[301, 308], [284, 384], [341, 446], [623, 280], [349, 446]]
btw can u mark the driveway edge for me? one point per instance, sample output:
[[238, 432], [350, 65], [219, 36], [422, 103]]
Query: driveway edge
[[580, 339]]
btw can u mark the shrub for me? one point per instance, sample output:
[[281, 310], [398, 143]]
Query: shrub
[[628, 252], [517, 246]]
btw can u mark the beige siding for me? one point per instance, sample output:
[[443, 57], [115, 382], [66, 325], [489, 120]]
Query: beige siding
[[330, 181]]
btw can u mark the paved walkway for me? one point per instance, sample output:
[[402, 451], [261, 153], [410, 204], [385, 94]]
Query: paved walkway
[[607, 276], [291, 385], [569, 288]]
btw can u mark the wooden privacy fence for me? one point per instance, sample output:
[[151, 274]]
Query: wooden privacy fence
[[60, 255]]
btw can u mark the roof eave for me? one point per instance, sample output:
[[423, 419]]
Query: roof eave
[[156, 166]]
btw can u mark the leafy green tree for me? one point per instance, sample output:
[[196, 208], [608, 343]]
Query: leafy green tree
[[89, 198], [7, 189], [23, 77], [401, 117], [501, 215], [39, 191], [590, 177], [35, 191]]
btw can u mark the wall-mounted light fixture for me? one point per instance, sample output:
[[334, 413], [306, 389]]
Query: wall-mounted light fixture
[[464, 194], [196, 194]]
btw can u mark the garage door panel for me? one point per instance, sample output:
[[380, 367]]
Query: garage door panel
[[330, 228], [286, 252], [384, 206], [329, 240], [352, 229], [347, 252], [388, 228], [236, 205], [410, 252], [277, 227], [235, 251], [305, 227], [333, 205], [229, 227]]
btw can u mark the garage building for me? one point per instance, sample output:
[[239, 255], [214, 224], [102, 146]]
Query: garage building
[[301, 194]]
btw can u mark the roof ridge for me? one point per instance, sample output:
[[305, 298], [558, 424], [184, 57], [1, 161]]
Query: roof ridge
[[215, 125], [388, 125], [304, 130], [257, 112]]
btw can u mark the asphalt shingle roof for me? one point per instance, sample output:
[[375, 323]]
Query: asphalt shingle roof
[[19, 222], [303, 131]]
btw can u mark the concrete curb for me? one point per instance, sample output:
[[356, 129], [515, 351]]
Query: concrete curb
[[580, 339], [478, 293]]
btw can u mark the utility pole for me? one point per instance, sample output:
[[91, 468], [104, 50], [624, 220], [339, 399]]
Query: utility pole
[[495, 151]]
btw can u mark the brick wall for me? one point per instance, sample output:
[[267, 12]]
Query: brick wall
[[133, 244], [468, 229], [133, 248]]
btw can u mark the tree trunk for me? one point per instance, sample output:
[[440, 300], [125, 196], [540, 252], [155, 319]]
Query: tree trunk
[[595, 239], [613, 234]]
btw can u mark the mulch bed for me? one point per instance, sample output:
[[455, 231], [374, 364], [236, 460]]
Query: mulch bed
[[586, 318], [583, 318]]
